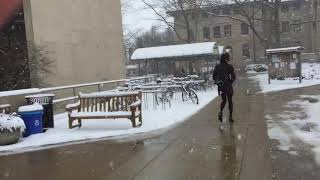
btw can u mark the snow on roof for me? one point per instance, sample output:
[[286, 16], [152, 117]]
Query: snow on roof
[[132, 66], [174, 51], [288, 49]]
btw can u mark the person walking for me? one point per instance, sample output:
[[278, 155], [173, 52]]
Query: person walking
[[224, 77]]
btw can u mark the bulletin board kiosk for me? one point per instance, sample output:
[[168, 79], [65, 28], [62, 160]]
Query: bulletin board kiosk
[[284, 63]]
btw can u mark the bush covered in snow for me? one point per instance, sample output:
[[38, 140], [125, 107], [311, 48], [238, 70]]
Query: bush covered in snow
[[311, 70], [11, 123]]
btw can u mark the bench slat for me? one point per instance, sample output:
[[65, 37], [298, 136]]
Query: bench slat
[[117, 114]]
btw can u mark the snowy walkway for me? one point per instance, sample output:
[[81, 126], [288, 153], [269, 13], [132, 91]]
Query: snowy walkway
[[196, 149], [294, 130]]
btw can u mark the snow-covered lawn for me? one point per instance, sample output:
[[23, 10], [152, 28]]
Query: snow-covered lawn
[[310, 72], [95, 129], [292, 128]]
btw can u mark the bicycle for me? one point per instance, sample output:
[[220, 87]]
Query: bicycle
[[188, 93], [165, 97]]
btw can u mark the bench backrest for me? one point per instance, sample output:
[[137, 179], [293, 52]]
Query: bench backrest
[[107, 102]]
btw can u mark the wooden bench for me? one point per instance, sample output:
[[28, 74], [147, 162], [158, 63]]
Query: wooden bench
[[5, 108], [106, 106]]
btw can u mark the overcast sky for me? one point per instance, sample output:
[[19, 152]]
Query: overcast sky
[[138, 17]]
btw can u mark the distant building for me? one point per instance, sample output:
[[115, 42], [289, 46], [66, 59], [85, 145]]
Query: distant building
[[83, 38], [240, 39]]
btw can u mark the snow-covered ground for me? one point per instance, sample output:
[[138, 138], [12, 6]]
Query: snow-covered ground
[[153, 120], [292, 128], [310, 72]]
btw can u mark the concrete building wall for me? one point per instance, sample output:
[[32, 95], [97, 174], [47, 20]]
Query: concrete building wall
[[83, 37]]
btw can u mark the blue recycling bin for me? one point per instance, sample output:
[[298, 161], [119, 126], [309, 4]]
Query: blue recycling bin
[[33, 122]]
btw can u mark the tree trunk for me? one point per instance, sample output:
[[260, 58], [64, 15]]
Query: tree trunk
[[277, 23], [253, 35], [315, 28]]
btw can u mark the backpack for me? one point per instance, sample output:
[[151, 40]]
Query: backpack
[[222, 78]]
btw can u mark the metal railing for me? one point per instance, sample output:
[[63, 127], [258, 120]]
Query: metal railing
[[99, 85]]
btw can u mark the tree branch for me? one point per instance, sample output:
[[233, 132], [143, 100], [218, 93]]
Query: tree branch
[[163, 19], [2, 52]]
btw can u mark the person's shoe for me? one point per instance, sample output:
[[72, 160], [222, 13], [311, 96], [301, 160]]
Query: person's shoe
[[220, 117], [231, 119]]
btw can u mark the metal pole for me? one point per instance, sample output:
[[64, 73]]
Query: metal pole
[[269, 69], [300, 68], [208, 71], [139, 68], [146, 67]]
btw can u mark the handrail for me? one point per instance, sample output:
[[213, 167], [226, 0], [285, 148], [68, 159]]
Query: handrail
[[42, 90]]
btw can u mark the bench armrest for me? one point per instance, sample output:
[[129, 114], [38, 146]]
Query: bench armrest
[[71, 107]]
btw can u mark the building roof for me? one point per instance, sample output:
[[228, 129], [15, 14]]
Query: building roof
[[285, 50], [176, 51]]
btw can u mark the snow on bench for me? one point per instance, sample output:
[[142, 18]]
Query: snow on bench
[[106, 105], [5, 108], [124, 114]]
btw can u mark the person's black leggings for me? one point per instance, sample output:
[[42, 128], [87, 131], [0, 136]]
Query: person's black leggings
[[226, 96]]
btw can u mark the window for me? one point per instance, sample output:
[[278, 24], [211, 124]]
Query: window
[[227, 30], [226, 11], [296, 5], [216, 11], [246, 51], [206, 33], [216, 32], [297, 27], [284, 8], [236, 10], [204, 15], [285, 26], [244, 29]]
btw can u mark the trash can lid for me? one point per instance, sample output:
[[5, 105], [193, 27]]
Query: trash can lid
[[40, 95], [31, 108]]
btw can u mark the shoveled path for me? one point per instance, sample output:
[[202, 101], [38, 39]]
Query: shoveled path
[[196, 149]]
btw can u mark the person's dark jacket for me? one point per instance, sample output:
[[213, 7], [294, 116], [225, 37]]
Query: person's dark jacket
[[224, 76]]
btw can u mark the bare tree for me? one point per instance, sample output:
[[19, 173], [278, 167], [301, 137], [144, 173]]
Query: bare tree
[[155, 37], [33, 64], [189, 9], [315, 28], [39, 65]]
